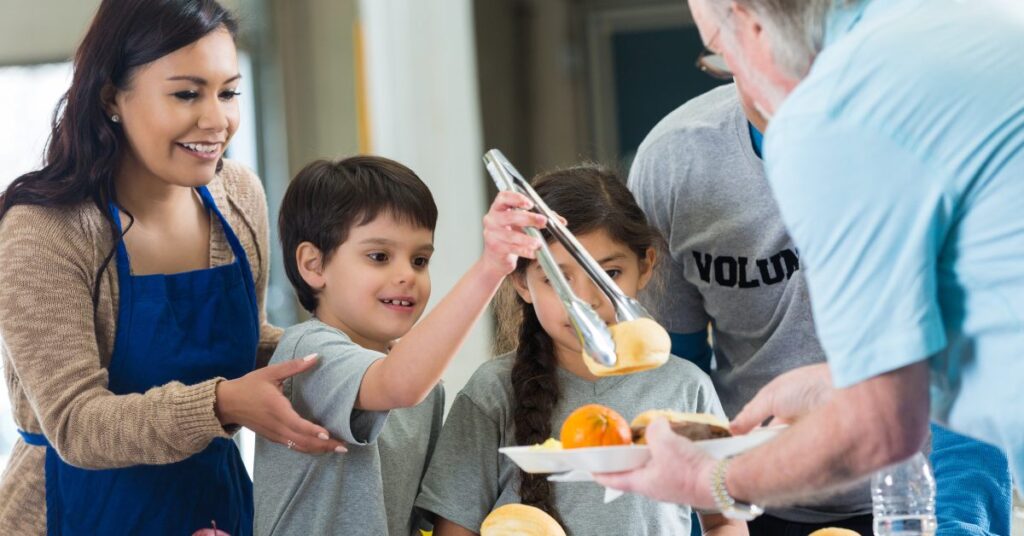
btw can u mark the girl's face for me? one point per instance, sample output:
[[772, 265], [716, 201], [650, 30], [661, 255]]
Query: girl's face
[[180, 111], [630, 273]]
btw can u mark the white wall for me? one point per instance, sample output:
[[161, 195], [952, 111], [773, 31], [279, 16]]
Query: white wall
[[44, 31], [424, 112]]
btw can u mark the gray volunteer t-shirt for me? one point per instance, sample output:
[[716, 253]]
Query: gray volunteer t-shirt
[[370, 489], [468, 478], [732, 261]]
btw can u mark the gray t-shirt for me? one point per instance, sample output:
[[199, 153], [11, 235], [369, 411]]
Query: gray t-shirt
[[370, 489], [468, 478], [732, 261]]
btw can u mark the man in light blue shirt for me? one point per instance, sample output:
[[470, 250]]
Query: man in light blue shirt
[[895, 150], [699, 177]]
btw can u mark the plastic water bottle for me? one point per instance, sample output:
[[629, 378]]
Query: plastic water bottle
[[903, 496]]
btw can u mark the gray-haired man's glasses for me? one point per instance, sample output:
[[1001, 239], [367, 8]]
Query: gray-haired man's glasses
[[714, 65]]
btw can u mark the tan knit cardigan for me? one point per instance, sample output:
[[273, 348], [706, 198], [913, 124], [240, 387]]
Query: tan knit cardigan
[[56, 354]]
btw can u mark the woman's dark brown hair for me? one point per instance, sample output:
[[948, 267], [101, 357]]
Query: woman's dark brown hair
[[85, 146], [590, 198]]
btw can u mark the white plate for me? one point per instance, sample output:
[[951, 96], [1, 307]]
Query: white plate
[[590, 459], [623, 458], [727, 447]]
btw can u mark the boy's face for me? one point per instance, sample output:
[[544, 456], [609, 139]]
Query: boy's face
[[377, 283]]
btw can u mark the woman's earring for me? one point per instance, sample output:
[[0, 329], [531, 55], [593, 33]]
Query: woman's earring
[[115, 118]]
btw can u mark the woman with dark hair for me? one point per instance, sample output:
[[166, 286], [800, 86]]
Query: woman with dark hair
[[131, 305]]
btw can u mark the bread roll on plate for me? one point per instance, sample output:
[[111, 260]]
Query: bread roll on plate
[[693, 426]]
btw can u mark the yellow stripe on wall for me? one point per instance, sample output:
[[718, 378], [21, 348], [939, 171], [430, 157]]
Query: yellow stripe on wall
[[362, 102]]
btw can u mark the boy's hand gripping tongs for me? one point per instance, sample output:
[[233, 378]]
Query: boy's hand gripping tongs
[[594, 335]]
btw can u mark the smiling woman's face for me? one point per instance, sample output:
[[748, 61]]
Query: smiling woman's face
[[179, 112]]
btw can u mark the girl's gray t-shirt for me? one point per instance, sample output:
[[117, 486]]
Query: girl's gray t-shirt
[[467, 478], [371, 488]]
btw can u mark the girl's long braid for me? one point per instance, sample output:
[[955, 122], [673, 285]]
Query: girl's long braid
[[535, 394]]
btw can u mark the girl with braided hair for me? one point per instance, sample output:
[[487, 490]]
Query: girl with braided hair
[[522, 398]]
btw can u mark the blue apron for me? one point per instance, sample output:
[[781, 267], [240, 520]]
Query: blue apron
[[186, 327]]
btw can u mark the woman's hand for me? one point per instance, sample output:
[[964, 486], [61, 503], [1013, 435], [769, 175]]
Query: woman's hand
[[256, 402], [504, 239]]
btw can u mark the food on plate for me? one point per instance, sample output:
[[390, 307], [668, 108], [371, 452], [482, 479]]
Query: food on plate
[[640, 344], [693, 426], [832, 531], [595, 425], [550, 444], [520, 520]]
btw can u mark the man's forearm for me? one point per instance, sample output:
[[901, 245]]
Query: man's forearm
[[861, 429], [815, 453]]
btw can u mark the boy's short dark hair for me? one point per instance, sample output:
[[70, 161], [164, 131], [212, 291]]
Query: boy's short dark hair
[[327, 199]]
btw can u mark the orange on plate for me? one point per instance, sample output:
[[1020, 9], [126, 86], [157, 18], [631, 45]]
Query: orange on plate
[[595, 425]]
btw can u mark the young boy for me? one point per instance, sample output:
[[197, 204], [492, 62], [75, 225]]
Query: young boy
[[358, 237]]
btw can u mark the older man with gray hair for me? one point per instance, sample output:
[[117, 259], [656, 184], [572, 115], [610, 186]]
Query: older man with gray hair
[[895, 150]]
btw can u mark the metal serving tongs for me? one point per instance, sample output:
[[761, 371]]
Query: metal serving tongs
[[590, 328], [594, 334]]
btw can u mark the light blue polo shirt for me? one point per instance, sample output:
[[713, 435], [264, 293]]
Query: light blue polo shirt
[[898, 166]]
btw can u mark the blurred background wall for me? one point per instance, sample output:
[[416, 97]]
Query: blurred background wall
[[430, 83]]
